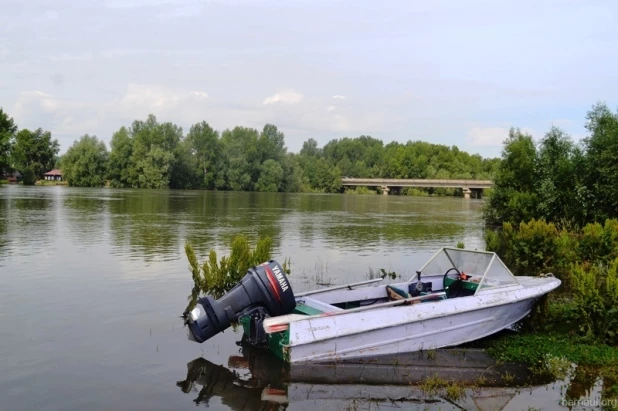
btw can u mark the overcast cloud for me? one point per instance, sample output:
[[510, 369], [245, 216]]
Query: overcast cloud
[[449, 72]]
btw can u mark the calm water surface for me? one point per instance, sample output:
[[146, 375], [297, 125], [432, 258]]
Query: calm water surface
[[92, 283]]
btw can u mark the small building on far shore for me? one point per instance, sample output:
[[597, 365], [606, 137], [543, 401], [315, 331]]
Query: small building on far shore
[[53, 175], [11, 178]]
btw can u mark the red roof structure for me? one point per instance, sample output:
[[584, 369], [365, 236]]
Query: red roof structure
[[53, 173]]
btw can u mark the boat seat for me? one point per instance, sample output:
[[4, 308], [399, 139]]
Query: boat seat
[[395, 294]]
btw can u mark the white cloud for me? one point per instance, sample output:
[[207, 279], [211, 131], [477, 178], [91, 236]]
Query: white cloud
[[493, 136], [39, 101], [486, 136], [563, 123], [287, 96], [199, 94], [67, 119], [142, 99], [339, 97], [341, 123], [330, 108], [4, 52]]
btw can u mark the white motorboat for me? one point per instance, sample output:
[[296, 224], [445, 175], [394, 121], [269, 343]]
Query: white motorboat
[[456, 297]]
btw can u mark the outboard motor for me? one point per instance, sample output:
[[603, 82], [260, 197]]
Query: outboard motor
[[263, 287]]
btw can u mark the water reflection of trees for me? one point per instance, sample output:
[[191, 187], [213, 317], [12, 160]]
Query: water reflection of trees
[[151, 224], [144, 224], [216, 218], [27, 223], [585, 379], [85, 217], [370, 221], [4, 222]]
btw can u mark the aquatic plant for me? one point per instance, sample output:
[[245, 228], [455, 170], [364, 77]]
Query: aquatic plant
[[434, 385], [217, 276]]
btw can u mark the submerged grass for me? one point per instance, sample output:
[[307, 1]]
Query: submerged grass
[[535, 349], [452, 390]]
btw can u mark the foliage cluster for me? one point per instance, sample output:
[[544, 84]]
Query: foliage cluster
[[586, 260], [556, 179], [153, 154], [31, 152], [361, 190], [217, 276], [533, 349]]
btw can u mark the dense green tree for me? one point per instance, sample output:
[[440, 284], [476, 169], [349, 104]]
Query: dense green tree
[[557, 180], [310, 149], [242, 158], [154, 168], [602, 161], [206, 147], [85, 162], [292, 174], [154, 145], [7, 134], [120, 159], [186, 172], [271, 176], [271, 144], [34, 153], [514, 196]]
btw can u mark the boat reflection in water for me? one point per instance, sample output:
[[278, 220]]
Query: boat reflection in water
[[258, 381]]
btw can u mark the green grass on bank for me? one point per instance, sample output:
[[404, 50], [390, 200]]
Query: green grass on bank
[[51, 183], [534, 349]]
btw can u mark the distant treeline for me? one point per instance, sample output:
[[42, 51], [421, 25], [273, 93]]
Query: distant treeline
[[151, 154]]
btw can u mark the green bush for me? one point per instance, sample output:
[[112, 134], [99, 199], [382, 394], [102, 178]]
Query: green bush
[[595, 296], [4, 181], [528, 250], [28, 177], [584, 259], [360, 190], [215, 277], [413, 191]]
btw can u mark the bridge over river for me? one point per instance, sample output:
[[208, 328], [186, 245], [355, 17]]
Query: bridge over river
[[468, 186]]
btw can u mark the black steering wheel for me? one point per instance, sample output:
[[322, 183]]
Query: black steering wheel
[[454, 289]]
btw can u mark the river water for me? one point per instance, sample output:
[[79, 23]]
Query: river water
[[93, 281]]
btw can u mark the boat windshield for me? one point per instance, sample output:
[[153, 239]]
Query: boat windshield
[[483, 269]]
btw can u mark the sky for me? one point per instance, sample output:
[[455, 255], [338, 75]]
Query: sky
[[448, 72]]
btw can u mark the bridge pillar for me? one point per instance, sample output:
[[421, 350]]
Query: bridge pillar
[[385, 190], [466, 193]]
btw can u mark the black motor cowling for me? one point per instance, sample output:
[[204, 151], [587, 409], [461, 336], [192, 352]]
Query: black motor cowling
[[264, 286]]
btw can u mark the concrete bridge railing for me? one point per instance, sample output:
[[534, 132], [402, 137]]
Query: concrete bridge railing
[[385, 183]]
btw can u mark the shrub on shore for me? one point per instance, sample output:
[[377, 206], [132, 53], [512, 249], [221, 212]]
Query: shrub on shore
[[585, 259]]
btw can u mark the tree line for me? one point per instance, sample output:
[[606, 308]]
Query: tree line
[[31, 152], [557, 179], [153, 154]]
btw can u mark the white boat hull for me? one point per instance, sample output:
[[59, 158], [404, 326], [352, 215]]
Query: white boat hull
[[410, 328]]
